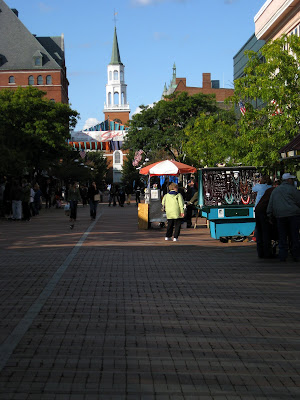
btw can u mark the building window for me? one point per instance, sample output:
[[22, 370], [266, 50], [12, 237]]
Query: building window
[[52, 100], [116, 75], [11, 79], [110, 75], [38, 61], [122, 76], [40, 80], [31, 80], [117, 157], [109, 98], [48, 80]]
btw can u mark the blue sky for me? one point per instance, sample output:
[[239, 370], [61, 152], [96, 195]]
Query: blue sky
[[198, 35]]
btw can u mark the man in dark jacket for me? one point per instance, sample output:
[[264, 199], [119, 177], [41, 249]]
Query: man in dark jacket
[[284, 205]]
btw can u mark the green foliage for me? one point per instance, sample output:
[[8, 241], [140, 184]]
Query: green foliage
[[272, 75], [97, 161], [33, 130], [130, 174], [211, 139], [161, 127]]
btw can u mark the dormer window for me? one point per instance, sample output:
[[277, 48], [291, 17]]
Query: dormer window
[[11, 79], [37, 59]]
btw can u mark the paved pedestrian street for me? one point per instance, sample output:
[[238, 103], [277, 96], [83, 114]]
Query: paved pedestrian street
[[106, 311]]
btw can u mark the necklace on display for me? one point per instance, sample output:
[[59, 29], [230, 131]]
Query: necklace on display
[[230, 199], [245, 201]]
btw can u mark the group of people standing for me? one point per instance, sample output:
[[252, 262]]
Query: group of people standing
[[19, 199], [277, 217]]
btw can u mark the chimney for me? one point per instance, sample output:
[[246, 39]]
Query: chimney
[[15, 11], [206, 82]]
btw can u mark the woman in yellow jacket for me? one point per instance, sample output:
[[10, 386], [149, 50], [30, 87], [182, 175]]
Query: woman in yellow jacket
[[173, 204]]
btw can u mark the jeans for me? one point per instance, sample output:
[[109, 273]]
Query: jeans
[[17, 209], [93, 208], [288, 229], [73, 209], [173, 224]]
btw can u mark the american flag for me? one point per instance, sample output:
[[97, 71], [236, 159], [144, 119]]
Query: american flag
[[242, 107], [277, 108]]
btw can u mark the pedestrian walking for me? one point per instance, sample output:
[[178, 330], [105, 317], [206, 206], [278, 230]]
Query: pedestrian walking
[[284, 205], [73, 198], [173, 205], [93, 197]]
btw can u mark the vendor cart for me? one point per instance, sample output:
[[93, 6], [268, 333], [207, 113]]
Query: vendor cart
[[227, 202], [165, 168]]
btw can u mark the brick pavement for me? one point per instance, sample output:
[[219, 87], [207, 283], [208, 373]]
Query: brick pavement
[[109, 312]]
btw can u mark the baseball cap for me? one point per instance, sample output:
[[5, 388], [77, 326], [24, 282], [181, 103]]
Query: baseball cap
[[287, 175]]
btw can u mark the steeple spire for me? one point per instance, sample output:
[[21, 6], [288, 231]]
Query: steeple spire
[[115, 55]]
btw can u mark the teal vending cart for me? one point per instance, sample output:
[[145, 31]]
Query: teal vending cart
[[226, 200]]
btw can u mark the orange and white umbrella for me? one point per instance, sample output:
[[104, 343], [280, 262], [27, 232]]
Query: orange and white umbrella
[[167, 167]]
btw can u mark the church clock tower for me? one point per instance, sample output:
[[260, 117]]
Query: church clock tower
[[116, 107]]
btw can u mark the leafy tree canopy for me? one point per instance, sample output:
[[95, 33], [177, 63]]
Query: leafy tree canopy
[[161, 127], [270, 91], [33, 129], [211, 139]]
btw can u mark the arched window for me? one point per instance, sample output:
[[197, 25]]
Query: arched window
[[110, 75], [109, 98], [121, 76], [53, 101], [11, 79], [40, 80], [48, 80], [30, 80], [122, 98], [116, 75], [117, 157]]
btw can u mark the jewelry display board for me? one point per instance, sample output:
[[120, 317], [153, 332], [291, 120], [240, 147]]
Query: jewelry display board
[[229, 186]]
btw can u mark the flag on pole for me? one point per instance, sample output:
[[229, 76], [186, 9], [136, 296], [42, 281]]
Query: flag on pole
[[277, 108], [242, 108]]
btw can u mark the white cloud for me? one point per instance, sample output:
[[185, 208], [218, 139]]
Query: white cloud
[[44, 8], [144, 3], [90, 122], [161, 36]]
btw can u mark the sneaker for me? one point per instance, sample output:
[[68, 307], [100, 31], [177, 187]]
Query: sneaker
[[167, 238], [175, 240]]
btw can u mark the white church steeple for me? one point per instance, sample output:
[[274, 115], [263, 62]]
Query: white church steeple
[[116, 106]]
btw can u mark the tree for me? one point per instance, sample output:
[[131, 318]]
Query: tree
[[161, 127], [33, 130], [211, 139], [97, 161], [270, 91]]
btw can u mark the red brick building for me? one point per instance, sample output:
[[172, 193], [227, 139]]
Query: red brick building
[[29, 60], [208, 87]]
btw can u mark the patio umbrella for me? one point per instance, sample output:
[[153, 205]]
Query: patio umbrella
[[167, 167]]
